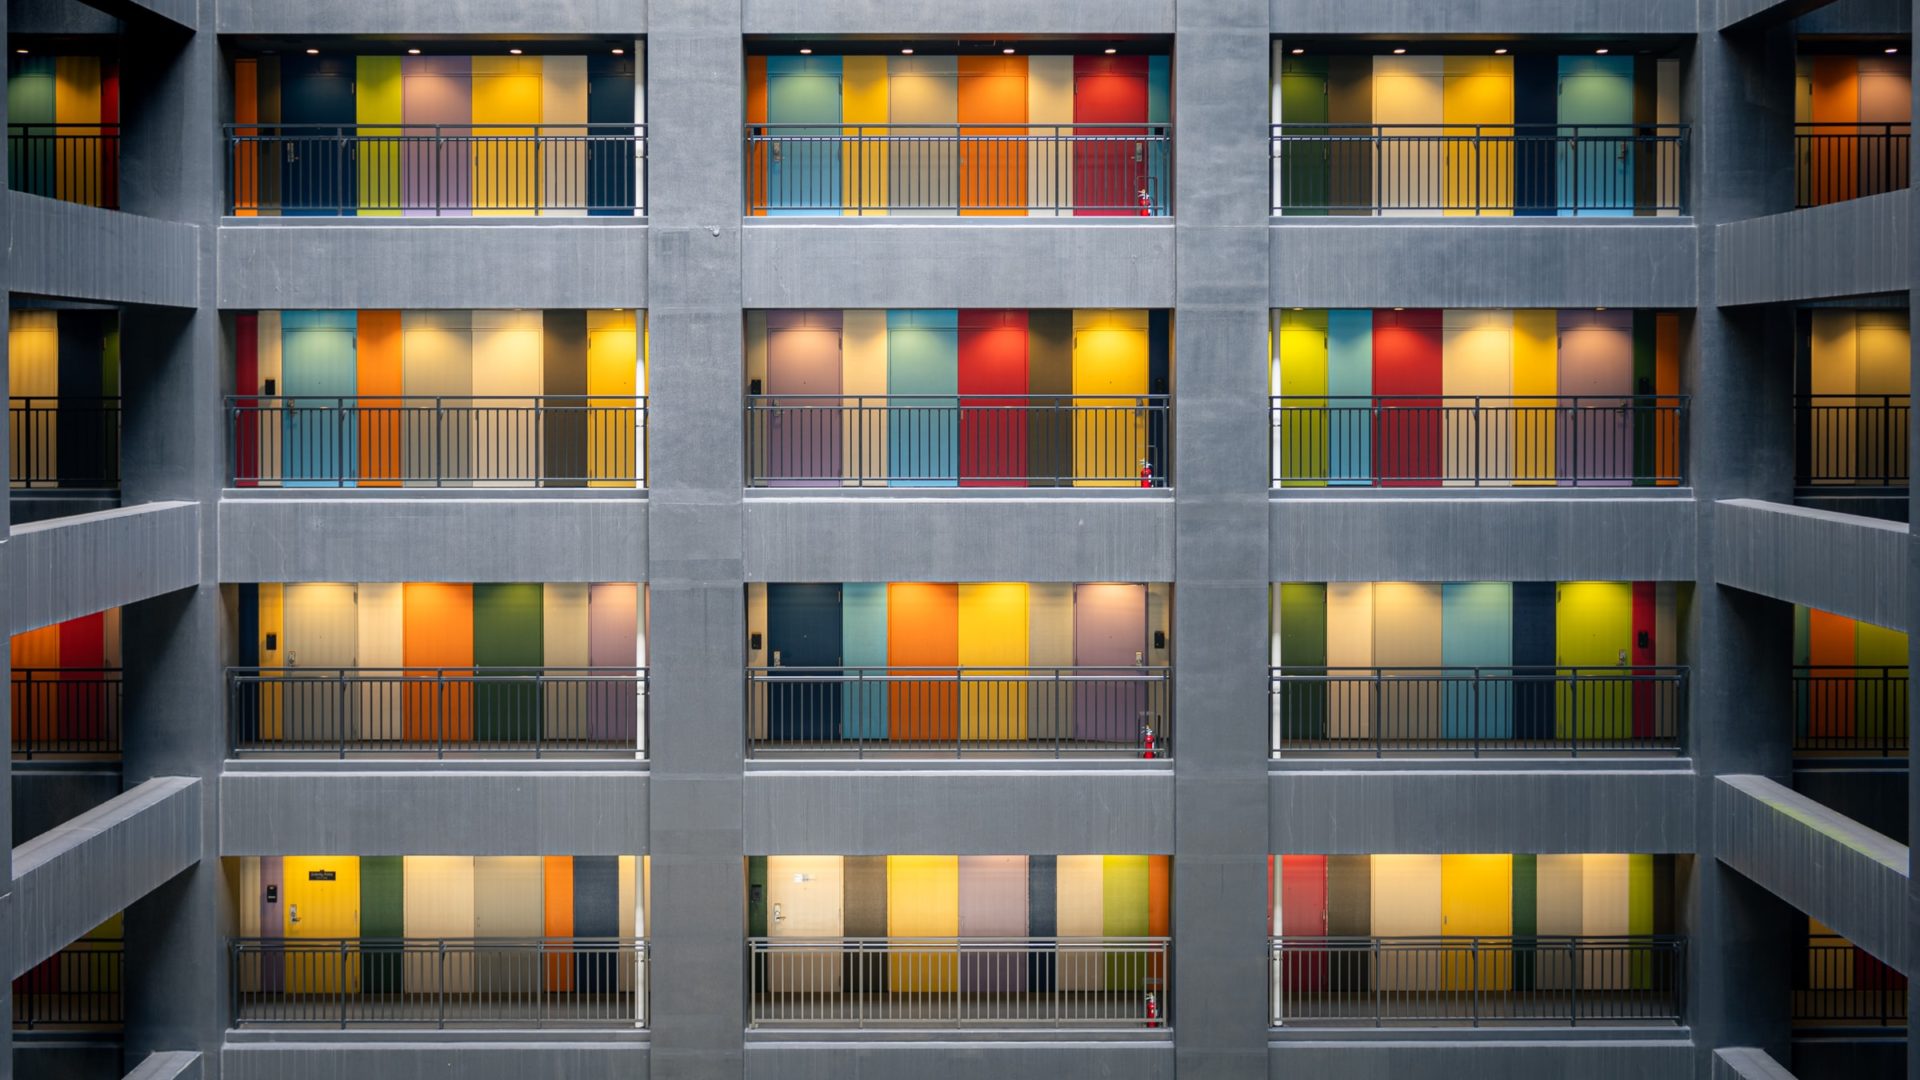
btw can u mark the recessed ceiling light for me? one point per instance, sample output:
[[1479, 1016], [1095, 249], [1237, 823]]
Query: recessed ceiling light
[[515, 52], [1599, 309], [1110, 52], [413, 52], [313, 52], [1399, 52], [22, 52], [1007, 52], [1499, 52], [1890, 52], [1600, 52], [619, 52], [1297, 52], [906, 52], [806, 52], [1399, 309]]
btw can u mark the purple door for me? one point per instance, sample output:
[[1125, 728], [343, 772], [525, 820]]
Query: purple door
[[803, 433], [613, 641], [993, 906], [1109, 643], [436, 99], [1596, 367]]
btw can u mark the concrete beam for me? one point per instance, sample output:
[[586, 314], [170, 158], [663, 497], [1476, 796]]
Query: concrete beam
[[1752, 14], [958, 538], [76, 252], [172, 1065], [1424, 1059], [420, 1060], [434, 811], [1507, 262], [958, 1059], [432, 263], [539, 536], [1835, 869], [870, 811], [1424, 811], [1747, 1063], [1377, 536], [1852, 248], [474, 17], [71, 878], [887, 263], [175, 14], [1847, 565], [78, 565], [1415, 18], [998, 18]]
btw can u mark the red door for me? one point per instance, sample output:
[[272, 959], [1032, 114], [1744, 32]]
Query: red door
[[1645, 694], [993, 429], [1406, 388], [1109, 163]]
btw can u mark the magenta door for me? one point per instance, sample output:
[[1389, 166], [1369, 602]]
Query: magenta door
[[803, 432], [1109, 641]]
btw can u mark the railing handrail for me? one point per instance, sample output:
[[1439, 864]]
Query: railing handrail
[[1153, 670], [1007, 941], [1849, 127], [1285, 129], [1886, 670], [92, 127], [776, 400], [112, 672], [1153, 129], [428, 672], [62, 399], [1374, 400], [1857, 400], [282, 944], [241, 401], [1447, 940], [268, 129], [1475, 670]]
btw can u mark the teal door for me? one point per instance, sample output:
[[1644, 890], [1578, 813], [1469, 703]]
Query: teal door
[[319, 438], [923, 379], [803, 162], [1595, 156]]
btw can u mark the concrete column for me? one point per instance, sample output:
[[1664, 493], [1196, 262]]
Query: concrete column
[[1913, 640], [1221, 565], [1739, 368], [176, 645], [695, 101]]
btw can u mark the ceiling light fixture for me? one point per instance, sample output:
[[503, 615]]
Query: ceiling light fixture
[[1600, 52], [619, 52], [515, 52], [413, 52], [1499, 52], [1297, 52], [1399, 52], [1110, 52], [1890, 52], [906, 52], [806, 52], [1006, 52], [313, 52]]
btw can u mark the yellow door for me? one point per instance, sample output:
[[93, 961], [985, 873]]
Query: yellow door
[[1109, 433], [993, 632], [923, 901], [323, 902], [1476, 900]]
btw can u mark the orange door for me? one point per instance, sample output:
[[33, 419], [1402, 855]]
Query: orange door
[[438, 623], [993, 159], [923, 631]]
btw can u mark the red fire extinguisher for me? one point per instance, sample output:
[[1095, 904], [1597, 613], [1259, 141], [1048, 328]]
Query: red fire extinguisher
[[1153, 1010], [1146, 473], [1146, 204], [1146, 748]]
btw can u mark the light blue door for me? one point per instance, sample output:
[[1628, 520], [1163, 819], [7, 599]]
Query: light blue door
[[320, 440], [803, 164], [923, 381]]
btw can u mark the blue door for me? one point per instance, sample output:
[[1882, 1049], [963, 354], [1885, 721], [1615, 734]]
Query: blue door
[[803, 162], [1595, 160], [803, 631], [612, 189], [319, 441], [318, 172]]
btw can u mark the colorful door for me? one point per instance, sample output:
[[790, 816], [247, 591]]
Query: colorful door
[[993, 159], [322, 636], [803, 631], [507, 644], [993, 905], [1407, 382], [923, 648], [803, 431], [436, 170], [1109, 647], [320, 439], [1477, 633], [1476, 894], [1109, 113], [1593, 634], [993, 426], [319, 176], [923, 902], [805, 900], [803, 107], [612, 180], [923, 430], [1595, 165], [323, 906], [1595, 440], [993, 652], [1112, 364], [863, 637]]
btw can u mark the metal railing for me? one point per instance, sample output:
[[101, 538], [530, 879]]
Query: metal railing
[[439, 982], [1037, 170], [979, 440], [529, 712], [77, 987], [65, 712], [1383, 981], [434, 169], [77, 163], [1478, 710], [1475, 169], [960, 712], [1095, 982], [433, 441], [1457, 440], [1850, 710], [1836, 162], [1852, 440], [66, 441], [1843, 985]]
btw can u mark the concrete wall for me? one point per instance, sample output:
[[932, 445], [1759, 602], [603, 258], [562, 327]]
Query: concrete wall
[[434, 812], [1848, 565], [549, 1055], [373, 538], [959, 539], [320, 263], [956, 1059], [428, 17], [1008, 18], [1507, 263], [1485, 537], [84, 253], [1415, 17], [868, 811], [1422, 1059], [1855, 248], [75, 566]]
